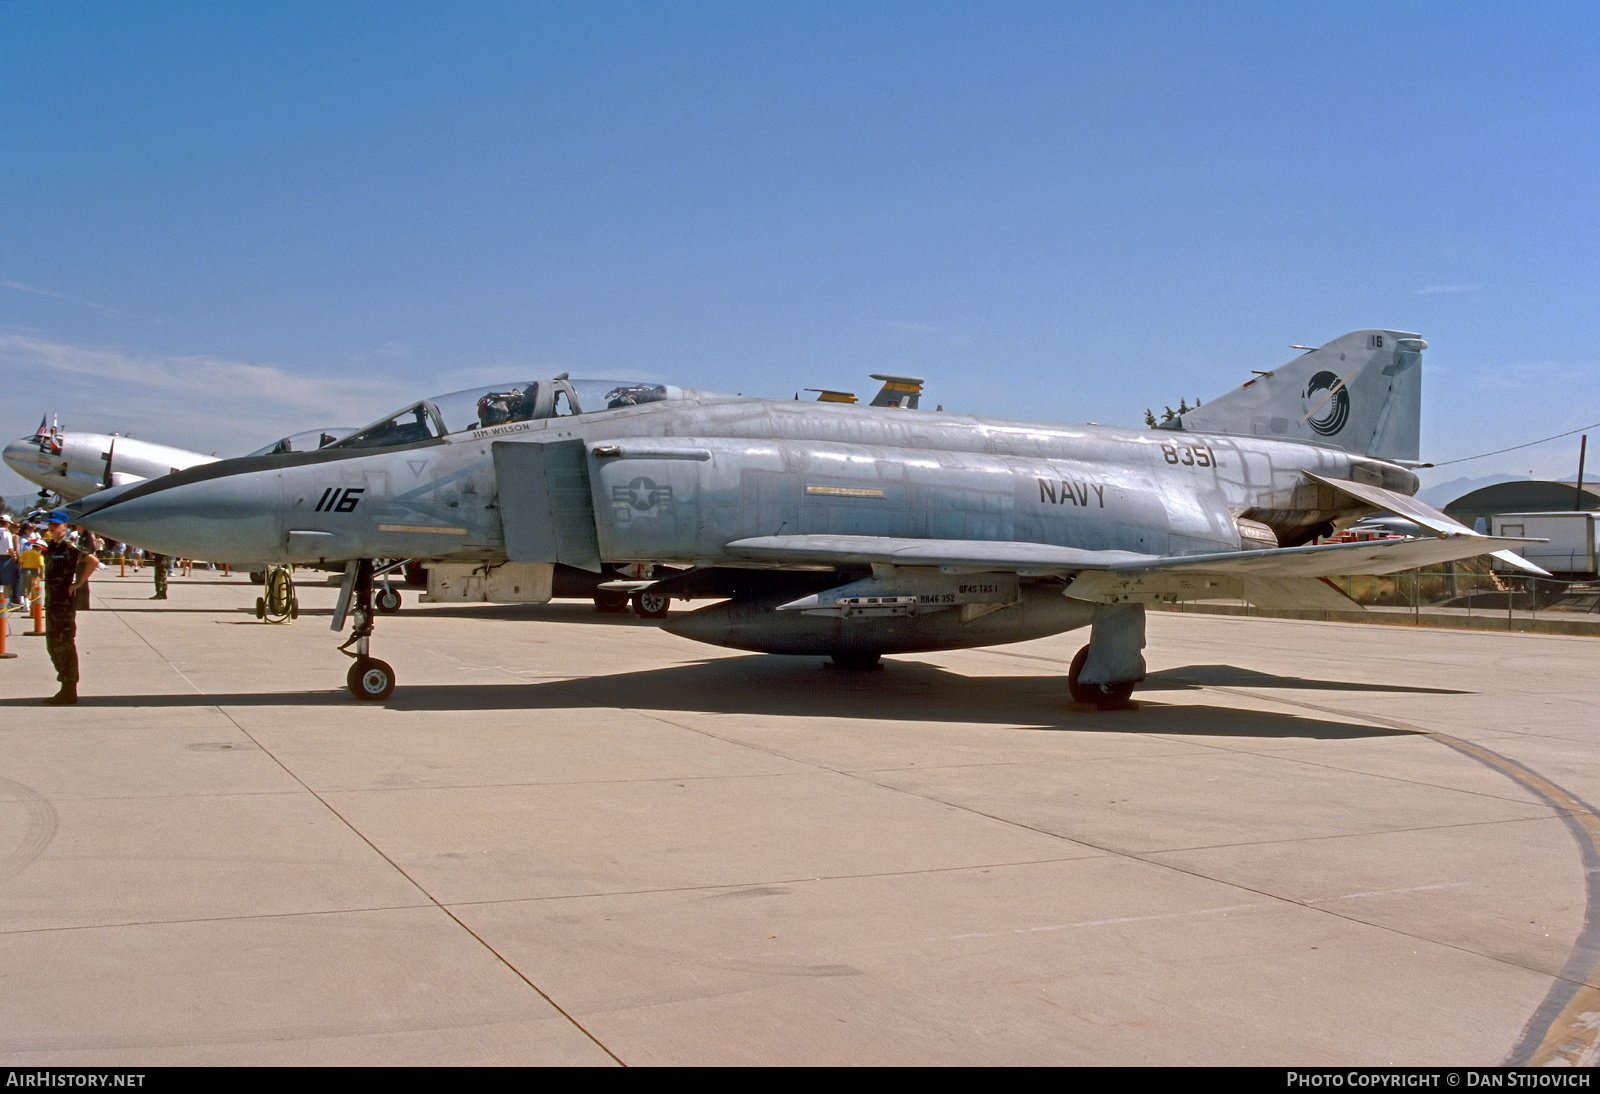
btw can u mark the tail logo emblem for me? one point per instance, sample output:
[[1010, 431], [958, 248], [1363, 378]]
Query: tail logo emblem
[[1335, 410]]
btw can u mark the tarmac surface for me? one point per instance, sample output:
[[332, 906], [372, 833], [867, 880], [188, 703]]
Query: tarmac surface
[[569, 838]]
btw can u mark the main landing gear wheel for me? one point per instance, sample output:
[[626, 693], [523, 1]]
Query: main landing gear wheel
[[1104, 696], [386, 600], [610, 600], [370, 679], [649, 605]]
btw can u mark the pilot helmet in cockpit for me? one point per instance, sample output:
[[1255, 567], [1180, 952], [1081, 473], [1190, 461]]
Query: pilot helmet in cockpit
[[499, 407]]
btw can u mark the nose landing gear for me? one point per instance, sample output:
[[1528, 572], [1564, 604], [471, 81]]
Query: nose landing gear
[[369, 678]]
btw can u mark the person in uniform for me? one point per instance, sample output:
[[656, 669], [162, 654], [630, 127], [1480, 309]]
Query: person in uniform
[[161, 564], [66, 570]]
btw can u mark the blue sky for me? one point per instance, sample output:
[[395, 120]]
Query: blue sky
[[223, 222]]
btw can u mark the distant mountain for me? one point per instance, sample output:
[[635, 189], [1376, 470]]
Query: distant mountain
[[1441, 494]]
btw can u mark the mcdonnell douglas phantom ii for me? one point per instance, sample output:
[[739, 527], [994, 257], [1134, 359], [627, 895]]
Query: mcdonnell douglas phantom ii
[[837, 530]]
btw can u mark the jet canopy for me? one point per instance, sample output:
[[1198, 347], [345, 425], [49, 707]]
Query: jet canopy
[[308, 441], [481, 408]]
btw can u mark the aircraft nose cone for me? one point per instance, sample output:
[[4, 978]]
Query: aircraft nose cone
[[228, 518], [23, 457]]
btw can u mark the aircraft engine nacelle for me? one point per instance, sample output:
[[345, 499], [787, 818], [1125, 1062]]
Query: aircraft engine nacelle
[[857, 619]]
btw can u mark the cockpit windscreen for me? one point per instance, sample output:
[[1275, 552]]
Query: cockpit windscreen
[[308, 441], [483, 408]]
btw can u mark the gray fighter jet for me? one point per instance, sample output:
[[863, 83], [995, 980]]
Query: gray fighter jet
[[839, 530]]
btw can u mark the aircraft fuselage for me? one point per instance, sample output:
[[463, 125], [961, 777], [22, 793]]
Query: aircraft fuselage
[[677, 481]]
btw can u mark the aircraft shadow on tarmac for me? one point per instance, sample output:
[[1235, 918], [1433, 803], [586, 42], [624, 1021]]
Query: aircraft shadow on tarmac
[[574, 612], [775, 686], [1195, 677], [515, 613], [571, 612], [170, 609]]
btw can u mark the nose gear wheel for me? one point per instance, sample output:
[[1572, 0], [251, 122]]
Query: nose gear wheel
[[369, 679]]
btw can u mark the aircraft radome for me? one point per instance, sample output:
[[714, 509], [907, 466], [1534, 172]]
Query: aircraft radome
[[838, 530]]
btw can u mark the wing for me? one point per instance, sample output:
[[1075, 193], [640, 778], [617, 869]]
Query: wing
[[1403, 505], [1042, 559], [1288, 577], [951, 555]]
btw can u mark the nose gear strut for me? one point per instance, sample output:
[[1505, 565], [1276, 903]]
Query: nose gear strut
[[369, 678]]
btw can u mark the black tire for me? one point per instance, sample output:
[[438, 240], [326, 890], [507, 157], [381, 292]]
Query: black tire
[[610, 600], [1104, 696], [258, 577], [649, 605], [856, 662], [261, 607], [370, 679], [294, 608], [386, 601]]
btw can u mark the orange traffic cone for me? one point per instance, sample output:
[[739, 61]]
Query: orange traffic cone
[[5, 625]]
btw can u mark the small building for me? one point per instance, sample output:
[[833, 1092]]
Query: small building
[[1523, 496], [1570, 553]]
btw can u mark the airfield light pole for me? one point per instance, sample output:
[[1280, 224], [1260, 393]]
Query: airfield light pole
[[1583, 450]]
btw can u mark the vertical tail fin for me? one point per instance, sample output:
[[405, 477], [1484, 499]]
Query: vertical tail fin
[[898, 391], [1361, 392]]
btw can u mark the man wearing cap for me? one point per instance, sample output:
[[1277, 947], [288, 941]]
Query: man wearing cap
[[66, 570]]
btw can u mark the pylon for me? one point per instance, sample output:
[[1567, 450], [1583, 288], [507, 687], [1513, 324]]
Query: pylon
[[5, 625]]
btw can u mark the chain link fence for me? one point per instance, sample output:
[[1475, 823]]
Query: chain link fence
[[1472, 588], [1463, 591]]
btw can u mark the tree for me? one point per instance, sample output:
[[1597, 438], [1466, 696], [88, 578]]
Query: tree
[[1168, 414]]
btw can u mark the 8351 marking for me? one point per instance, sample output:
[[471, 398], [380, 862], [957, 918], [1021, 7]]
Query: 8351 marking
[[1189, 455]]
